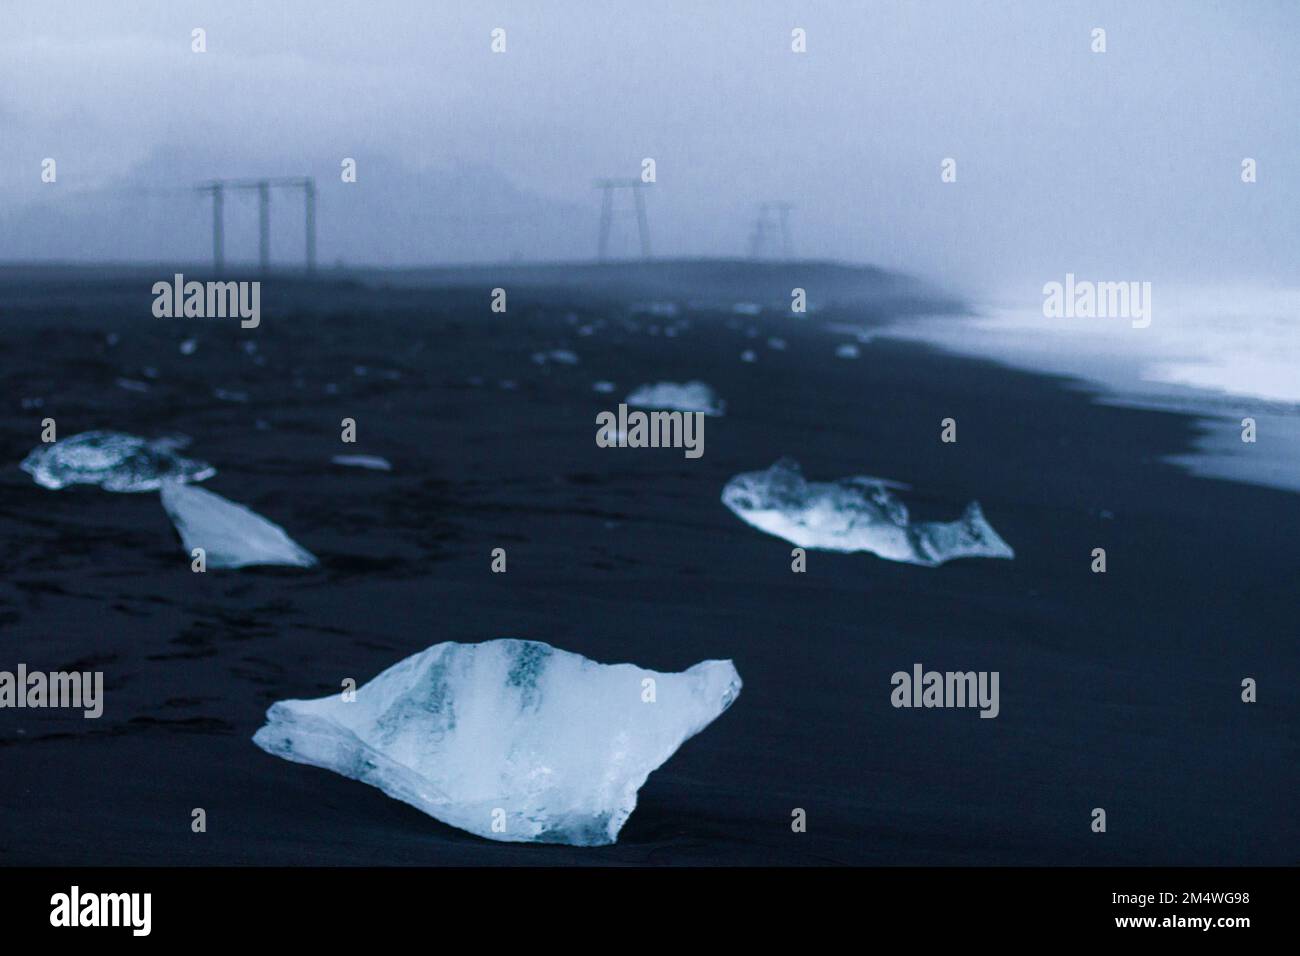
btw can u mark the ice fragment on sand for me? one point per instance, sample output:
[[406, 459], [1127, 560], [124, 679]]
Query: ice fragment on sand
[[561, 356], [510, 740], [686, 397], [230, 535], [855, 514], [113, 460], [373, 462]]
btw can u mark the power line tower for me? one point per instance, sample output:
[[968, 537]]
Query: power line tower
[[607, 187], [218, 187], [773, 220], [218, 191]]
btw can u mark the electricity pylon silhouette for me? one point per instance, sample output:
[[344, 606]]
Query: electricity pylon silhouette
[[218, 187], [773, 218], [607, 187]]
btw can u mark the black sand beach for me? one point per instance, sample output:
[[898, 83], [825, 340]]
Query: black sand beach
[[1119, 691]]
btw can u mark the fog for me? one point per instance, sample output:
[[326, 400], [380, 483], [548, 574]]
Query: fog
[[1124, 164]]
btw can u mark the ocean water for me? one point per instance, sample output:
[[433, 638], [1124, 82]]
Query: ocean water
[[1223, 354]]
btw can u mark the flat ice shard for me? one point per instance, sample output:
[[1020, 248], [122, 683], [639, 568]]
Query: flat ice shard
[[855, 514], [230, 535], [510, 740], [670, 396], [113, 460], [373, 462]]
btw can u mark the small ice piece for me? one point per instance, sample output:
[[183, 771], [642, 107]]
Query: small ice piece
[[230, 535], [663, 309], [113, 460], [603, 387], [132, 385], [847, 351], [776, 344], [747, 308], [562, 356], [749, 355], [855, 514], [189, 346], [373, 462], [686, 397], [510, 740], [229, 395]]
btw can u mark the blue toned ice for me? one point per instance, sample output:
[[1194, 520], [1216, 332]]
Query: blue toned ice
[[855, 514], [371, 462], [508, 739], [230, 535], [114, 461], [683, 397]]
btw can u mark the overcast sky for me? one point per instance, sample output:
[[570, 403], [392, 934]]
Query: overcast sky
[[1122, 165]]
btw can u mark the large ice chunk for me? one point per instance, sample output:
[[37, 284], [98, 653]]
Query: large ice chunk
[[508, 739], [113, 460], [230, 535], [684, 397], [855, 514]]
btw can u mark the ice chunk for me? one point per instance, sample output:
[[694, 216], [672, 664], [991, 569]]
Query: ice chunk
[[230, 535], [373, 462], [855, 514], [113, 460], [511, 740], [686, 397]]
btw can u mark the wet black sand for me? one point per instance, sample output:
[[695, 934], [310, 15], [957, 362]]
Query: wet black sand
[[1118, 691]]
